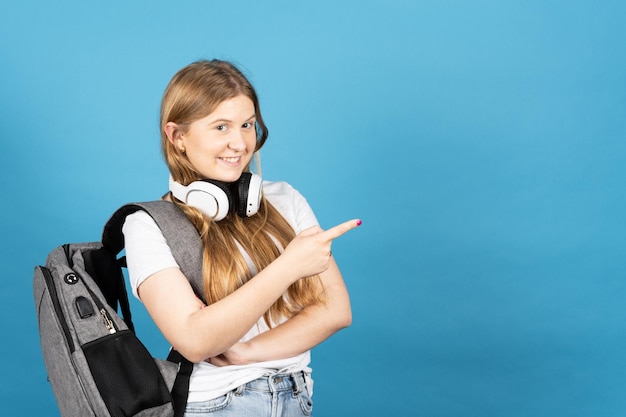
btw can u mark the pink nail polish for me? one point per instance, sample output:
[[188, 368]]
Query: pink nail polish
[[359, 222]]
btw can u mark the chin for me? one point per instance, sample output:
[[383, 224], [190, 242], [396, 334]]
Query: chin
[[229, 178]]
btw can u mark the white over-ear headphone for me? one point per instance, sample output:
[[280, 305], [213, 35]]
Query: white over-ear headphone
[[216, 199]]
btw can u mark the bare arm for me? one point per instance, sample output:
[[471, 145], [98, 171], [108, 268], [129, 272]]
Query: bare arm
[[302, 332], [199, 333]]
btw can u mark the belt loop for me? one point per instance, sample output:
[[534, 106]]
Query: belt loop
[[239, 390], [297, 387]]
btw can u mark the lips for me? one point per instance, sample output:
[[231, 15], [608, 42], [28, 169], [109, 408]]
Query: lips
[[231, 160]]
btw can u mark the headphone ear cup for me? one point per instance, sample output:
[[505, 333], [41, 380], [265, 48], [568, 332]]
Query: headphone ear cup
[[249, 191], [210, 197]]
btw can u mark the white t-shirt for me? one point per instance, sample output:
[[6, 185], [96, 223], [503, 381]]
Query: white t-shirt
[[147, 253]]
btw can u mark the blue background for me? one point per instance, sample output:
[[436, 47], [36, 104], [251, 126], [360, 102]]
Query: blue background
[[481, 142]]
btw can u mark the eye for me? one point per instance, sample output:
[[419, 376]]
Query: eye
[[248, 125], [221, 128]]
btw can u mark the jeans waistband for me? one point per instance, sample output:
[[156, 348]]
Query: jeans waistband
[[295, 382]]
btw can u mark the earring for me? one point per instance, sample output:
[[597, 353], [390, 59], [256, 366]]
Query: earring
[[182, 150]]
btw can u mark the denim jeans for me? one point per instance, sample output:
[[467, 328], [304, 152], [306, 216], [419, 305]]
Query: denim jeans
[[280, 395]]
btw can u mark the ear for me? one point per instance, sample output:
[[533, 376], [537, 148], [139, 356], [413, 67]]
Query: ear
[[173, 133]]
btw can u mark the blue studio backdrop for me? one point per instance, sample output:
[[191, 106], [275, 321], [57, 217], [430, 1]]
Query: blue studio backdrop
[[481, 142]]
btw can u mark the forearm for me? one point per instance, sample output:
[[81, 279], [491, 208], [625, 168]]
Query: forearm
[[199, 332], [302, 332], [307, 329]]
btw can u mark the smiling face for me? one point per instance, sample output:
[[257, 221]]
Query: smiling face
[[220, 145], [211, 123]]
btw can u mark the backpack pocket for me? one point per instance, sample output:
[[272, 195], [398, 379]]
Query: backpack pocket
[[127, 377]]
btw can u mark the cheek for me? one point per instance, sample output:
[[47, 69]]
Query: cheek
[[204, 147], [200, 153], [251, 141]]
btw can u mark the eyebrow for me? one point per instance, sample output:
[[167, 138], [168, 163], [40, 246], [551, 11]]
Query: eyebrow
[[230, 121]]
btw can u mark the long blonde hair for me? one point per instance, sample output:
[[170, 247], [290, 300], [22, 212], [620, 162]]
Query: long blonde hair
[[193, 93]]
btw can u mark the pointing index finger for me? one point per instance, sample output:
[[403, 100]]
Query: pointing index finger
[[340, 229]]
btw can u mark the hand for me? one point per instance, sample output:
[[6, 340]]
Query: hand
[[309, 252], [236, 355]]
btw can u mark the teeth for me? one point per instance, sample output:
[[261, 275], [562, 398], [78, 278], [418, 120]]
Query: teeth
[[231, 159]]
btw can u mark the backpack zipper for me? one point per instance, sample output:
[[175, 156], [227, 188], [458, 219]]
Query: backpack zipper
[[47, 275], [106, 318], [108, 323]]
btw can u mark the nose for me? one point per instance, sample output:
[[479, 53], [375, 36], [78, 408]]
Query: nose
[[237, 141]]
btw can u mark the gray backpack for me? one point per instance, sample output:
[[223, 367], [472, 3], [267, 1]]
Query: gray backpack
[[95, 363]]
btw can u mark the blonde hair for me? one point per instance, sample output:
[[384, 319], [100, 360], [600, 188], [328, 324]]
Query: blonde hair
[[193, 93]]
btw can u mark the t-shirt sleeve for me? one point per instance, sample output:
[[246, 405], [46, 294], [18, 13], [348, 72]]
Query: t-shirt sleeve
[[147, 251]]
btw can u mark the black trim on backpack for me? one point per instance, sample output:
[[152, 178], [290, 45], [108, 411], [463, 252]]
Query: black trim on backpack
[[180, 391]]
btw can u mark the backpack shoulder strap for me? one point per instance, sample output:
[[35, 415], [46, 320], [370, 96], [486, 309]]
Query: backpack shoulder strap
[[186, 246], [180, 235]]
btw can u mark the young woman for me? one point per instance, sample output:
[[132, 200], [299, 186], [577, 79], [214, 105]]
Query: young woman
[[272, 290]]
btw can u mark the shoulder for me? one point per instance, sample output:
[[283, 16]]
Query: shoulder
[[282, 195], [278, 188], [147, 251], [290, 203], [138, 221]]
